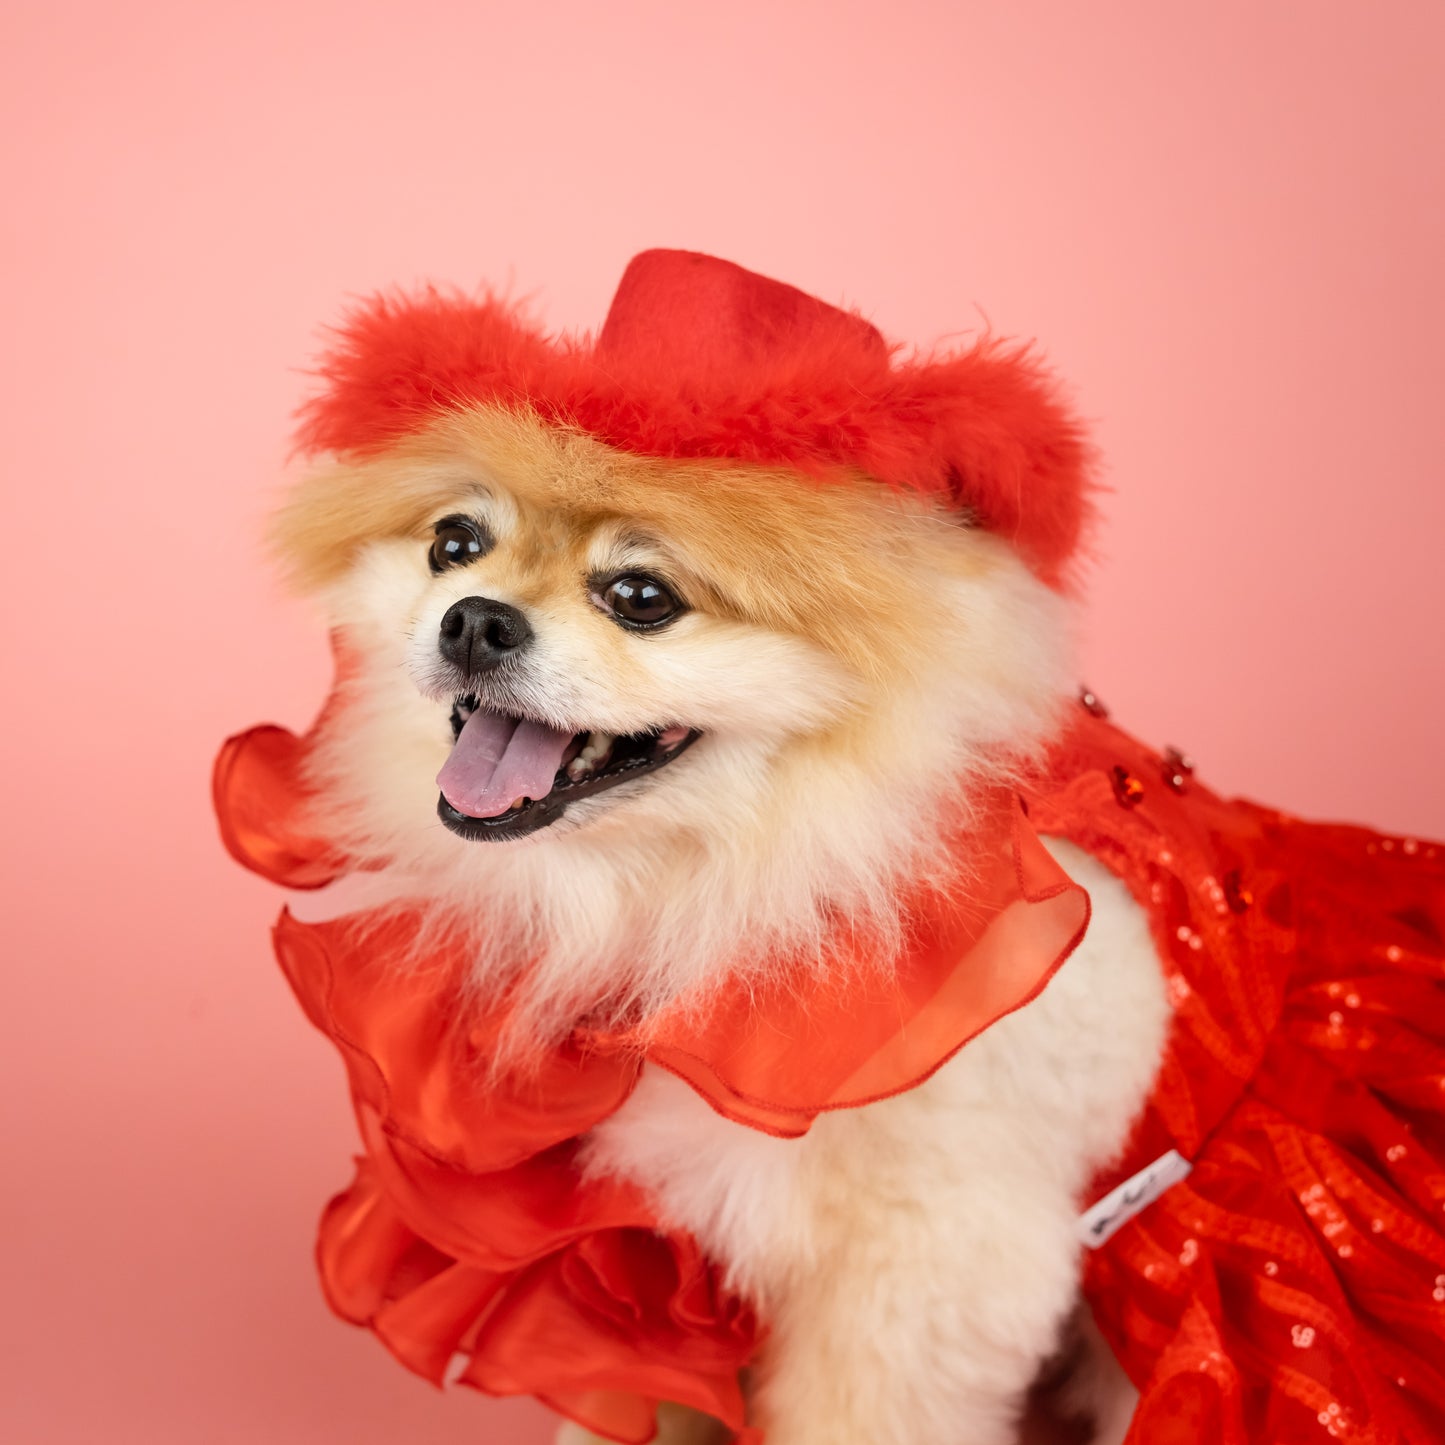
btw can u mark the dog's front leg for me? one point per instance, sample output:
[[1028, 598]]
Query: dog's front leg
[[913, 1259], [937, 1286]]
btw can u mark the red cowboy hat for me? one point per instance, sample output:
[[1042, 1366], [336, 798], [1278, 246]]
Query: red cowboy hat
[[701, 358]]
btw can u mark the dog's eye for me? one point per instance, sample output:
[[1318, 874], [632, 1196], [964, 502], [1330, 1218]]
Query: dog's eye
[[459, 540], [639, 601]]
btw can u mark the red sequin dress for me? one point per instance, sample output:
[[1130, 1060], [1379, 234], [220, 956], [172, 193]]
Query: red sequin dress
[[1291, 1289]]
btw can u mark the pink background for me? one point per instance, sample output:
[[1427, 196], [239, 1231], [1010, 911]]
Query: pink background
[[1224, 221]]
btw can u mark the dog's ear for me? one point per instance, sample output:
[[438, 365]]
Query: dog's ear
[[328, 516]]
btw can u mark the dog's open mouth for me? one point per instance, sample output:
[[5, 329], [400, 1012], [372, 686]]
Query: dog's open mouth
[[508, 776]]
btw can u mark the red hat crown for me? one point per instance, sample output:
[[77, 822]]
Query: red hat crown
[[699, 314], [699, 357]]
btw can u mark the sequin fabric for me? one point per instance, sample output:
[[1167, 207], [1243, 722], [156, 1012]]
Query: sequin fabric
[[1291, 1289]]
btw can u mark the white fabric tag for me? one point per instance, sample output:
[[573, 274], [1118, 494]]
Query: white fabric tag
[[1119, 1206]]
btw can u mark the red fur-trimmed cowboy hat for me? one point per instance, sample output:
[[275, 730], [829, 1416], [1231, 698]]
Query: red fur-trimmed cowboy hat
[[701, 358]]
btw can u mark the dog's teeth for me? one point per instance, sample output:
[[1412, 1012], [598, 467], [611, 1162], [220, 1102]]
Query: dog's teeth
[[595, 751], [597, 746], [518, 803]]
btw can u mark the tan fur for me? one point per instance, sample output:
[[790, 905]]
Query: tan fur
[[831, 562]]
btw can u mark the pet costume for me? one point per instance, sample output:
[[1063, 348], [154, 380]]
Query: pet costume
[[1292, 1289]]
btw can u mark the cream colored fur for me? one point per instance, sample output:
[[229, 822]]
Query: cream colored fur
[[859, 666]]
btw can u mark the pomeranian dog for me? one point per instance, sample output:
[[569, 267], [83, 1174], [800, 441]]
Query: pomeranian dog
[[638, 727]]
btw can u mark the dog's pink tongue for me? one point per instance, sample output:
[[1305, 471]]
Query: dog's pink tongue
[[498, 759]]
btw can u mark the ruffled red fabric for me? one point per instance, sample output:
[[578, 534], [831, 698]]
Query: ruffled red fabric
[[470, 1238], [1293, 1288]]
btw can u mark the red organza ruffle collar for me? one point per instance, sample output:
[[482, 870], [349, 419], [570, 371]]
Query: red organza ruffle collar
[[470, 1239]]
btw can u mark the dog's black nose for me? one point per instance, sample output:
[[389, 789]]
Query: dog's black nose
[[477, 633]]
